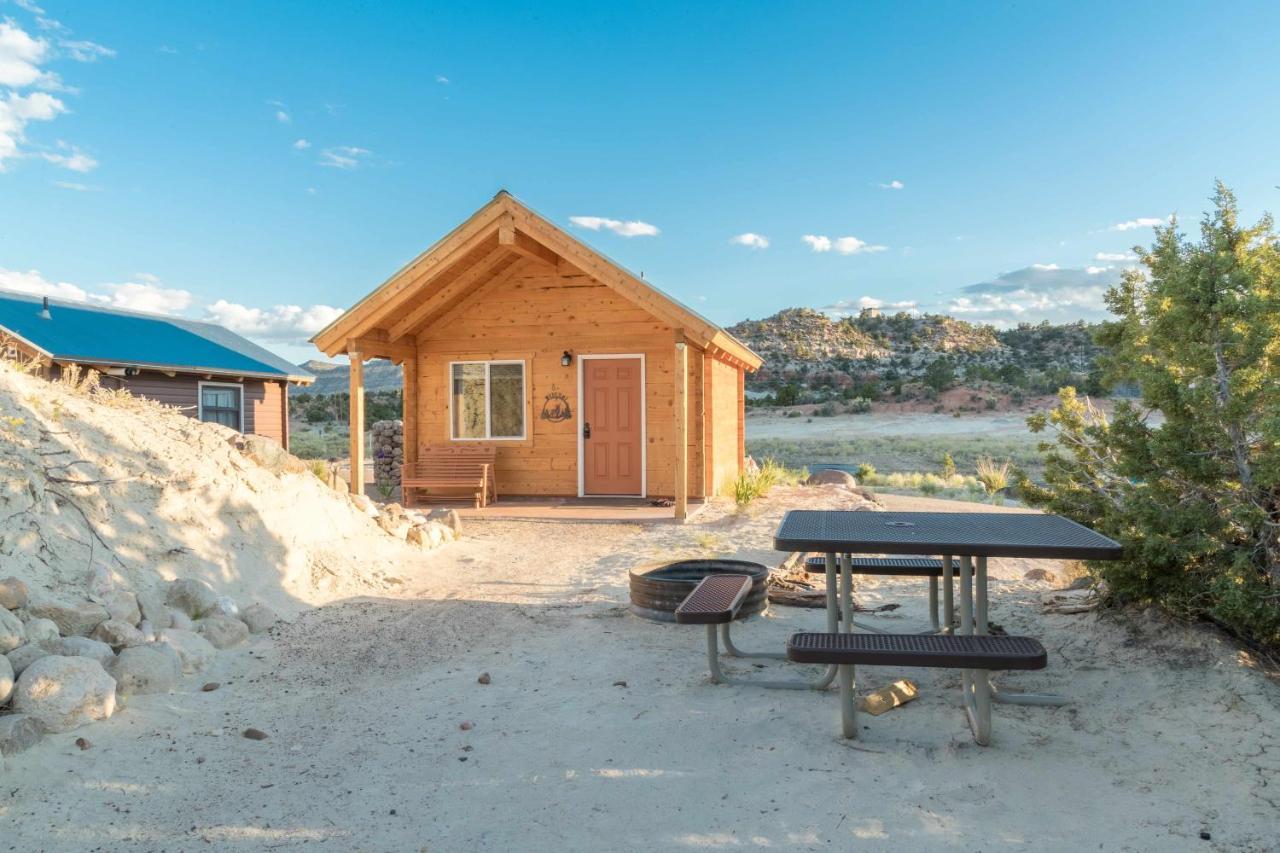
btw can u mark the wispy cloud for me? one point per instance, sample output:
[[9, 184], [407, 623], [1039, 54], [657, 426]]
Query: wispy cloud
[[892, 185], [301, 145], [843, 245], [283, 323], [86, 51], [1034, 293], [16, 112], [1115, 256], [849, 307], [818, 244], [1140, 222], [282, 111], [71, 158], [632, 228], [442, 80], [343, 156], [751, 240], [73, 186]]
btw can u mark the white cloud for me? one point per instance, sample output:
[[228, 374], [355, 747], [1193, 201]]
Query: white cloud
[[72, 185], [632, 228], [1045, 266], [854, 246], [441, 79], [818, 244], [301, 145], [74, 159], [147, 294], [286, 323], [1114, 256], [1038, 292], [33, 282], [16, 112], [1141, 222], [892, 185], [86, 51], [283, 117], [20, 56], [754, 241], [343, 156], [1096, 270]]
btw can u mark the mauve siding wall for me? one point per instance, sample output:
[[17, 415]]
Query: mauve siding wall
[[264, 402]]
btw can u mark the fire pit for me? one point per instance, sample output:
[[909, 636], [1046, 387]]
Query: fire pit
[[657, 590]]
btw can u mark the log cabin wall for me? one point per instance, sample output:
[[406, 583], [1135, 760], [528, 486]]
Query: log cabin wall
[[726, 461], [534, 315]]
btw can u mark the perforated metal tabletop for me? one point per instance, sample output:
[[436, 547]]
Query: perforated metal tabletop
[[977, 534]]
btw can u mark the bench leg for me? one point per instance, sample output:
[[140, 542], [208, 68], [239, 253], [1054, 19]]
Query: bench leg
[[718, 675], [848, 701], [846, 599], [934, 625], [977, 703], [948, 596]]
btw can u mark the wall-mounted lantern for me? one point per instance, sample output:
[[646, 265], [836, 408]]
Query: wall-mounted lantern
[[566, 359]]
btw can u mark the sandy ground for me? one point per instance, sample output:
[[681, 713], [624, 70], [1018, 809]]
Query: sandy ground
[[1173, 734]]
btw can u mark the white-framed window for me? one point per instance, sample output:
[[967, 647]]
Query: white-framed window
[[222, 403], [486, 400]]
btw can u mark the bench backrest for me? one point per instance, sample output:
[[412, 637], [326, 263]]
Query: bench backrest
[[446, 460]]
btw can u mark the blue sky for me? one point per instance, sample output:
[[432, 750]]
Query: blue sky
[[265, 164]]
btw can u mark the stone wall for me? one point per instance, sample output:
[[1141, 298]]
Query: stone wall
[[387, 450]]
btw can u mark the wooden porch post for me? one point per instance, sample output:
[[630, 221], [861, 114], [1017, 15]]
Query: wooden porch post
[[409, 407], [681, 406], [356, 421]]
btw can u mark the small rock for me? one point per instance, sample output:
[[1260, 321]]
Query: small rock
[[210, 686], [397, 525], [6, 679], [484, 678], [832, 477], [83, 743], [23, 656], [223, 631], [122, 606], [619, 684], [254, 734], [13, 594], [85, 648], [181, 621], [259, 617], [19, 732], [63, 693], [364, 504], [226, 606], [42, 631], [74, 617], [466, 725], [12, 632], [193, 597], [153, 609], [153, 668], [118, 634], [1205, 835], [415, 536], [194, 651], [1038, 575], [449, 518]]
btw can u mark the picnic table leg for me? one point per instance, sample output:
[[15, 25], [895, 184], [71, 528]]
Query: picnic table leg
[[848, 702], [833, 614], [948, 595], [996, 694], [846, 599]]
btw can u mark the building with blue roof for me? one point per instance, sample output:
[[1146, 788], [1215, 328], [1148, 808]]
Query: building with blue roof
[[208, 371]]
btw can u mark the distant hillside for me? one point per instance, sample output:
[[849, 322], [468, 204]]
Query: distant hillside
[[333, 378], [811, 357]]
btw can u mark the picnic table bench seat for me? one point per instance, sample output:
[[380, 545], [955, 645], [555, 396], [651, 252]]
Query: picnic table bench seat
[[931, 650], [716, 600], [446, 471], [911, 567]]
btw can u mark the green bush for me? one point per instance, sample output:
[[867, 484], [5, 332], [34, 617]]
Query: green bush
[[749, 485], [1194, 499]]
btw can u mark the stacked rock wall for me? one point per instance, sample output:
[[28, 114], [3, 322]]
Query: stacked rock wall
[[387, 452]]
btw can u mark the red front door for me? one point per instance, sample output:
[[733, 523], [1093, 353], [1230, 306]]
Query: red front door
[[612, 412]]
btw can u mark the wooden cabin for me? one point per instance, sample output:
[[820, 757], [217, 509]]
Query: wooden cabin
[[584, 378], [207, 371]]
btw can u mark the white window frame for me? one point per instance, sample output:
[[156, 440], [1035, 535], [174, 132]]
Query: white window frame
[[488, 408], [200, 386]]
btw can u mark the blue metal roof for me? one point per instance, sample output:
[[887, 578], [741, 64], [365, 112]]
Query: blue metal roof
[[90, 334]]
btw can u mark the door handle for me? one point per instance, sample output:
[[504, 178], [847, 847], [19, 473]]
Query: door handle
[[586, 430]]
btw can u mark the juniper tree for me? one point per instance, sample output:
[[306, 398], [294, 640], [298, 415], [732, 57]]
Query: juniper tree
[[1187, 478]]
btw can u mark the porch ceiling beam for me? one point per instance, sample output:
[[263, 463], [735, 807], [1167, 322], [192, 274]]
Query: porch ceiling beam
[[491, 264], [371, 348]]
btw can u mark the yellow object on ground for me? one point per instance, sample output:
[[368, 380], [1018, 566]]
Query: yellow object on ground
[[888, 698]]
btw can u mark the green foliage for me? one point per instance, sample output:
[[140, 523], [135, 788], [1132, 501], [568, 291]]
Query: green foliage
[[1195, 500], [788, 395], [948, 465], [993, 475], [750, 485], [940, 374]]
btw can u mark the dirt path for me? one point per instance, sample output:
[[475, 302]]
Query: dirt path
[[364, 702]]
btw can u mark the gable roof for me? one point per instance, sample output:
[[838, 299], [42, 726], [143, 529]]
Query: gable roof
[[90, 334], [484, 245]]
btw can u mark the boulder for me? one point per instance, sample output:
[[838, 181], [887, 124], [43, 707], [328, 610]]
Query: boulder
[[226, 606], [223, 631], [42, 631], [153, 609], [364, 504], [148, 631], [194, 651], [121, 606], [418, 536], [181, 621], [193, 597], [259, 617], [832, 477], [449, 518], [118, 634], [18, 732], [153, 668], [6, 679], [83, 647], [270, 455], [12, 632], [63, 693], [397, 525], [23, 656], [13, 594], [74, 617]]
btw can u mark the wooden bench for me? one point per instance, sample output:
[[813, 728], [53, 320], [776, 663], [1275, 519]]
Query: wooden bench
[[445, 471], [910, 567], [978, 655]]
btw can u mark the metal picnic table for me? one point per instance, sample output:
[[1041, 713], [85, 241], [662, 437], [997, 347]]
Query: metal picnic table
[[970, 536]]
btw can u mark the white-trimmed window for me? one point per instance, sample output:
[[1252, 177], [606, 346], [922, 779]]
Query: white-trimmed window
[[486, 400], [222, 403]]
